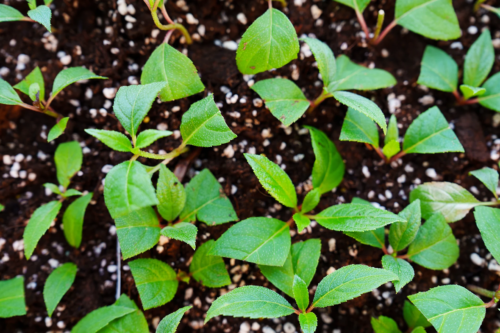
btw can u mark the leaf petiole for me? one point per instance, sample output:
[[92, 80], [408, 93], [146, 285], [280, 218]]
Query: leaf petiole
[[324, 95], [171, 25], [168, 157], [380, 23]]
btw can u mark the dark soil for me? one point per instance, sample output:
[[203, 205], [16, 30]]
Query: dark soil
[[81, 24]]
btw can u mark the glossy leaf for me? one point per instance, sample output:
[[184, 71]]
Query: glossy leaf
[[207, 269], [171, 194], [439, 70], [8, 95], [489, 177], [300, 293], [68, 158], [479, 60], [169, 323], [399, 267], [38, 225], [311, 200], [73, 220], [384, 324], [9, 14], [134, 322], [147, 137], [363, 105], [357, 5], [100, 318], [491, 98], [185, 232], [57, 284], [72, 75], [470, 92], [359, 128], [413, 317], [12, 301], [308, 322], [401, 234], [113, 139], [42, 15], [35, 76], [57, 129], [375, 238], [488, 223], [324, 58]]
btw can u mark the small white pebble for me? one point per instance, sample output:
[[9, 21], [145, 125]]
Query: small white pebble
[[242, 18], [472, 30], [365, 171], [109, 93], [431, 173], [477, 260]]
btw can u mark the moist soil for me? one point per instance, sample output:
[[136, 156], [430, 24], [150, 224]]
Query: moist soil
[[97, 37]]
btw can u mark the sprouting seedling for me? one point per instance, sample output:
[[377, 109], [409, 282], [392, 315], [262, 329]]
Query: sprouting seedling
[[435, 19], [414, 319], [34, 86], [428, 134], [68, 160], [439, 71], [270, 42], [12, 300], [40, 14], [153, 6], [288, 103]]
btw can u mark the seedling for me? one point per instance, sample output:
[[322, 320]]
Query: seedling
[[288, 103], [12, 302], [439, 71], [68, 159], [435, 19], [153, 6], [428, 134], [414, 319], [34, 86], [40, 14]]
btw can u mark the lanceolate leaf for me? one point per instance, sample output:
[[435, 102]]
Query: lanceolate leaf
[[311, 200], [392, 130], [403, 233], [73, 220], [10, 14], [113, 139], [134, 322], [147, 137], [42, 15], [325, 59], [250, 302], [413, 317], [169, 323], [260, 240], [479, 60], [488, 222], [490, 99], [300, 293], [174, 70], [12, 301], [70, 76], [308, 322], [489, 177], [100, 318], [439, 70], [8, 95], [399, 267], [270, 42], [171, 194], [68, 158], [358, 5], [182, 231], [57, 284], [451, 309], [384, 324], [38, 224], [57, 129], [301, 221], [375, 238], [207, 269], [358, 127], [35, 76]]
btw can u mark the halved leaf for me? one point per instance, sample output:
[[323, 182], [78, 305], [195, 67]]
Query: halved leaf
[[273, 179], [384, 324], [359, 128], [12, 301], [261, 240], [42, 15], [68, 158], [324, 58], [171, 194], [250, 302], [155, 280], [57, 284], [308, 322], [363, 105], [439, 70], [207, 269], [491, 98], [357, 5], [113, 139], [8, 95], [329, 168], [10, 14], [401, 234], [479, 60], [134, 322], [469, 91], [283, 98], [38, 225], [270, 42], [73, 220], [301, 221], [375, 238], [174, 70], [413, 317], [349, 282], [71, 75], [100, 318], [431, 134], [169, 323], [182, 231], [147, 137], [57, 129], [137, 231], [35, 76], [311, 200], [300, 293], [488, 223], [489, 177], [451, 309], [401, 268], [435, 247]]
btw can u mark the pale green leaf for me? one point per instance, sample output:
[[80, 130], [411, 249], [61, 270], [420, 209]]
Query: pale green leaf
[[488, 223], [489, 177], [182, 231], [207, 269], [71, 75], [384, 324], [311, 201], [359, 128], [68, 158], [34, 92], [38, 224], [9, 14], [479, 60], [47, 2], [31, 3], [113, 139], [53, 188], [152, 3], [42, 15], [357, 5], [171, 194], [470, 92], [419, 330], [300, 293], [8, 95], [413, 317], [439, 70], [2, 208], [401, 234], [301, 221], [363, 105], [391, 148], [100, 318], [57, 129], [147, 137], [169, 323], [375, 238], [134, 322], [57, 284], [71, 193], [392, 130], [399, 267], [324, 58], [73, 220], [308, 322], [12, 301], [35, 76], [491, 98]]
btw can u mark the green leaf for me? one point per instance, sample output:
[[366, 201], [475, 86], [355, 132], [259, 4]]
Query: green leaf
[[203, 125], [169, 323], [301, 261], [57, 284], [324, 58], [469, 91], [174, 70], [53, 188], [435, 247], [207, 269], [431, 134], [384, 324], [100, 318], [355, 217], [35, 76], [273, 179], [9, 14], [488, 223], [38, 224], [359, 128], [128, 187], [489, 177], [490, 99], [401, 234], [185, 232], [375, 238], [308, 322], [171, 194], [349, 282], [418, 330], [71, 193], [137, 231], [47, 2], [479, 60], [399, 267], [71, 75], [134, 322], [147, 137], [270, 42], [133, 103], [311, 200], [113, 139], [8, 95], [435, 19], [357, 5], [42, 15], [363, 105], [439, 70], [250, 302], [58, 129], [301, 221], [351, 76], [156, 282], [2, 208], [392, 131], [391, 148], [73, 220], [329, 168], [261, 240], [451, 309], [206, 201], [283, 98], [451, 200], [68, 158], [152, 3], [413, 317], [12, 301], [34, 92], [300, 293], [31, 3]]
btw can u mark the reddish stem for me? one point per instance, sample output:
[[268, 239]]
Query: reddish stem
[[403, 256], [397, 156], [362, 23], [385, 32]]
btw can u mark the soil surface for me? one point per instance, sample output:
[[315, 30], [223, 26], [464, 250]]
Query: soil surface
[[95, 35]]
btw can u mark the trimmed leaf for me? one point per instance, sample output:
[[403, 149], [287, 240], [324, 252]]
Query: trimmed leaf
[[363, 105], [68, 158], [308, 322], [156, 282], [357, 5], [134, 322], [311, 201], [479, 60], [9, 14], [270, 42], [250, 302], [488, 223], [100, 318], [375, 238], [42, 15], [12, 301], [72, 75], [399, 267], [171, 194], [169, 323], [491, 98], [73, 220], [413, 317], [469, 91], [384, 324], [185, 232], [38, 225], [174, 70], [401, 234], [113, 139], [439, 70], [300, 293], [35, 76], [435, 247], [8, 95], [207, 269], [261, 240], [324, 58], [57, 284], [301, 221], [147, 137], [57, 129], [489, 177], [359, 128]]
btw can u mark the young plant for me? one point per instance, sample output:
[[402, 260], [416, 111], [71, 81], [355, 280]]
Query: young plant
[[34, 86], [439, 71], [153, 6], [414, 319], [40, 14], [68, 160], [435, 19], [270, 42], [12, 302], [428, 134], [57, 284], [288, 103]]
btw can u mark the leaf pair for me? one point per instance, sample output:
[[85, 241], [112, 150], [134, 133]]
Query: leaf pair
[[413, 317], [41, 14]]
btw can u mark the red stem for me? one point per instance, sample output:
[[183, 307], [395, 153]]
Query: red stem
[[397, 156], [385, 32], [362, 22]]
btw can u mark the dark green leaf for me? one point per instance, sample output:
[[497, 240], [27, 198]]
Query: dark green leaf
[[359, 128], [375, 238], [403, 233], [171, 194], [71, 75], [68, 158], [384, 325], [490, 99], [38, 225], [357, 5], [413, 317], [73, 220], [100, 318], [488, 223], [209, 270], [300, 293], [169, 323], [134, 322], [182, 231], [57, 284], [363, 105], [12, 301], [399, 267], [324, 58], [479, 60], [489, 177], [439, 70]]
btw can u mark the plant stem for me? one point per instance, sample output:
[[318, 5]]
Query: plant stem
[[270, 4], [384, 249], [27, 19], [171, 26], [324, 95], [397, 156], [380, 23], [385, 32], [167, 36], [362, 23], [118, 270], [403, 256], [478, 4], [481, 291], [47, 112], [170, 156], [457, 96]]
